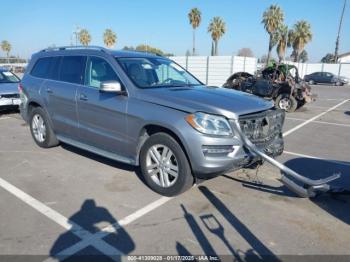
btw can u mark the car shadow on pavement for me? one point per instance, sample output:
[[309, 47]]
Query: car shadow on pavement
[[104, 160], [258, 252], [336, 204], [91, 218], [281, 190]]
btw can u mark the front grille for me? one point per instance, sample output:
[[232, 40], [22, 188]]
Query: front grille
[[262, 128], [10, 95]]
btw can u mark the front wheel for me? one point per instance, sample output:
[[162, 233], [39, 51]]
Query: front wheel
[[286, 102], [164, 165]]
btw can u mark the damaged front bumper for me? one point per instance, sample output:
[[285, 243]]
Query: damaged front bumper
[[289, 177]]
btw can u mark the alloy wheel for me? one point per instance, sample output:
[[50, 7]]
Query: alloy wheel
[[162, 165], [285, 103], [39, 128]]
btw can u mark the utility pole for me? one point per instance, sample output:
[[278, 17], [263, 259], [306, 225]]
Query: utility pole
[[338, 35]]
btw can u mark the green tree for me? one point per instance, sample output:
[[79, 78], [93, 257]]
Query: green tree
[[195, 18], [282, 42], [217, 28], [328, 58], [109, 38], [303, 57], [128, 48], [245, 51], [273, 18], [84, 37], [150, 49], [6, 47], [299, 36]]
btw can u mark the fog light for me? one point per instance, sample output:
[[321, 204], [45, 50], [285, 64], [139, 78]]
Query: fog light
[[217, 150]]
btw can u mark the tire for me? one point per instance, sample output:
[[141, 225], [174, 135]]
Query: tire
[[49, 139], [286, 102], [311, 82], [337, 83], [171, 186]]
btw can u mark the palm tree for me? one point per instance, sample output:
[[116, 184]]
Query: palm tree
[[273, 18], [195, 17], [303, 57], [6, 47], [282, 42], [109, 38], [299, 36], [217, 28], [84, 37]]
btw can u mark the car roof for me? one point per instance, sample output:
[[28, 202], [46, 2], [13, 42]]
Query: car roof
[[91, 50]]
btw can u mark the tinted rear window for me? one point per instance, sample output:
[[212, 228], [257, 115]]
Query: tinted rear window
[[42, 67], [55, 67], [72, 69]]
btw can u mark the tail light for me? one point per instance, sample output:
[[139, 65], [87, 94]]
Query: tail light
[[20, 88]]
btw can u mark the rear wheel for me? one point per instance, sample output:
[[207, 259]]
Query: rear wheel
[[311, 82], [164, 165], [286, 102], [41, 129]]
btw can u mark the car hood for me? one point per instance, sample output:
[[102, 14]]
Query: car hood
[[8, 88], [214, 100]]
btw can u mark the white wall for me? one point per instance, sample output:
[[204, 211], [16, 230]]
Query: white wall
[[214, 70]]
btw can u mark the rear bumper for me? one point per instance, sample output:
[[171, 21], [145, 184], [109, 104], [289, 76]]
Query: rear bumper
[[9, 102], [23, 111]]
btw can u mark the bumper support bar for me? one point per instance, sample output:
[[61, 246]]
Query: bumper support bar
[[311, 188]]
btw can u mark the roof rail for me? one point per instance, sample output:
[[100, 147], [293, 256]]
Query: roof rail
[[146, 52], [59, 48]]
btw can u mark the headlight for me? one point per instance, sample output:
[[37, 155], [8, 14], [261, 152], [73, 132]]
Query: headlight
[[209, 124]]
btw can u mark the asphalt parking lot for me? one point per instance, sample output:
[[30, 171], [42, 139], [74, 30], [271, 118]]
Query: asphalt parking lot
[[63, 201]]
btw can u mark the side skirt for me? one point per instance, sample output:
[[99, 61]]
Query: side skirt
[[97, 151]]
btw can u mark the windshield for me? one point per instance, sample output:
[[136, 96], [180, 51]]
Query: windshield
[[156, 72], [8, 77]]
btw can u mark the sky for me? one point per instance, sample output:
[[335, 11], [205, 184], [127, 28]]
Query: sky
[[32, 25]]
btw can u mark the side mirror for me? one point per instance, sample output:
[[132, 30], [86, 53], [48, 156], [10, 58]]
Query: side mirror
[[111, 87]]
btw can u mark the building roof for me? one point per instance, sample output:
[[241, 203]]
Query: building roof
[[343, 55]]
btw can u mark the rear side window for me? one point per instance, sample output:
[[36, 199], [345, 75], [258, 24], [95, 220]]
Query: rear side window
[[72, 69], [55, 68], [42, 67]]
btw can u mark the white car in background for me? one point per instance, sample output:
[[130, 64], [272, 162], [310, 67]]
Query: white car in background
[[9, 94]]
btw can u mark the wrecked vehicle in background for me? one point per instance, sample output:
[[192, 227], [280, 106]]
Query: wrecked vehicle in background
[[279, 83]]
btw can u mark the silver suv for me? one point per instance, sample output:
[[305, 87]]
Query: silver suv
[[147, 111]]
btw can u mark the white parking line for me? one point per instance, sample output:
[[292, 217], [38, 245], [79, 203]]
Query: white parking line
[[320, 158], [69, 225], [88, 239], [4, 117], [331, 99], [112, 228], [313, 118], [317, 107], [319, 122]]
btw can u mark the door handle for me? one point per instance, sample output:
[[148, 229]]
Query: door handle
[[48, 90], [83, 97]]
